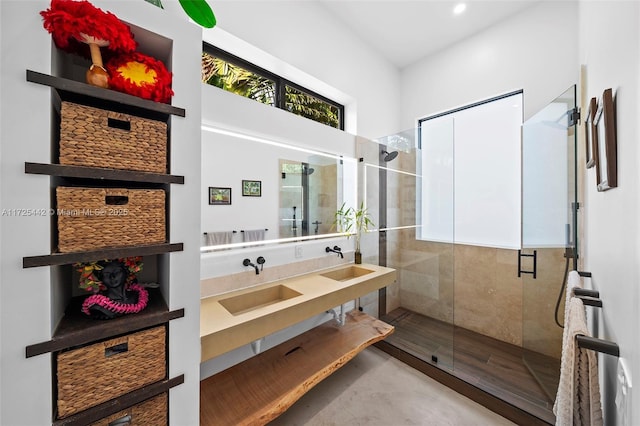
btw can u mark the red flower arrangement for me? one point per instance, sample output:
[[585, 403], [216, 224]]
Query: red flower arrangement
[[140, 75], [76, 24], [90, 282], [72, 22]]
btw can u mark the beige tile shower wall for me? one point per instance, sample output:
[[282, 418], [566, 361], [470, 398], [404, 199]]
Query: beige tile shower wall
[[488, 292], [490, 298], [487, 297], [425, 275]]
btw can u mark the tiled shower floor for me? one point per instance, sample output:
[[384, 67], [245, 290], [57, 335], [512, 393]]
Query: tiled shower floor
[[494, 366]]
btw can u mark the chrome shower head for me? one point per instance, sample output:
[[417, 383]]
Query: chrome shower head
[[389, 156]]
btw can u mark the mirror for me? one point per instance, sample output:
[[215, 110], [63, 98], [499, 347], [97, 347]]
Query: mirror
[[309, 196], [277, 192]]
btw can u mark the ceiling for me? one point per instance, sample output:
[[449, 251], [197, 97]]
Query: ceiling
[[405, 31]]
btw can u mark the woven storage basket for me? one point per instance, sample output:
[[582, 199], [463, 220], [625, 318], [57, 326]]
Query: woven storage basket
[[94, 374], [96, 137], [93, 218], [152, 412]]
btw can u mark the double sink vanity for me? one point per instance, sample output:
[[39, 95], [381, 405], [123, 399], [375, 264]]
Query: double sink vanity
[[279, 376]]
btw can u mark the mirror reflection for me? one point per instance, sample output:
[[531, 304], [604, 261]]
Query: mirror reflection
[[309, 196], [294, 191]]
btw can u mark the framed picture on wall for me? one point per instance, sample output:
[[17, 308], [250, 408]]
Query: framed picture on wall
[[252, 188], [589, 129], [605, 133], [219, 196]]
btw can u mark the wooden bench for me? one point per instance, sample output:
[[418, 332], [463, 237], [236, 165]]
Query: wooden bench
[[261, 388]]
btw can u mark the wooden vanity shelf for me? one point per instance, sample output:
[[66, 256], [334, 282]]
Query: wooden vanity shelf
[[261, 388], [76, 328]]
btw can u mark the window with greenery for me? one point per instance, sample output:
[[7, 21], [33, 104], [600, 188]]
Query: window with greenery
[[228, 72]]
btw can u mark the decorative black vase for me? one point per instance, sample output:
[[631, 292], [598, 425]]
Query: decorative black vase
[[358, 258]]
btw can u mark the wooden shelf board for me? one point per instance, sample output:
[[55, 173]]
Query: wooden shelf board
[[118, 404], [261, 388], [103, 94], [99, 174], [88, 256], [76, 328]]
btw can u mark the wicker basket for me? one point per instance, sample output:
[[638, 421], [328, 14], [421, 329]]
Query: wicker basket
[[99, 138], [94, 374], [152, 412], [93, 218]]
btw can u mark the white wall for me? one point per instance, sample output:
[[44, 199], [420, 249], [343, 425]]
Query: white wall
[[610, 48], [535, 50], [29, 299], [304, 43], [25, 294]]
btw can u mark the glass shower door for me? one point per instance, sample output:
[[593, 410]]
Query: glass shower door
[[409, 176], [548, 232]]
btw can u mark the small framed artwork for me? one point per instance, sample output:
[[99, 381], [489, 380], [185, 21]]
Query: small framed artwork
[[219, 196], [252, 188], [589, 129], [605, 133]]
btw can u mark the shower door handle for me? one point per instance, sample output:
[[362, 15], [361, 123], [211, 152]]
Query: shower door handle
[[535, 263]]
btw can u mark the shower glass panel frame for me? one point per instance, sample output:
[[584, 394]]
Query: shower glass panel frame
[[549, 140]]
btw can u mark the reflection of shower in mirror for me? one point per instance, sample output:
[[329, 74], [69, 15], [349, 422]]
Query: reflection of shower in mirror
[[389, 156]]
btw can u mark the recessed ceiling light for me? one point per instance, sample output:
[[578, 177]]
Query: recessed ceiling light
[[459, 8]]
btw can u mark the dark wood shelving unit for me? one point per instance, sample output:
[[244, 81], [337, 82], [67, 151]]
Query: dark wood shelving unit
[[99, 174], [88, 256], [113, 406], [77, 329], [84, 89]]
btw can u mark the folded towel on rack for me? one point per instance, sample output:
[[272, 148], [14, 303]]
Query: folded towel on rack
[[218, 238], [578, 398], [253, 235], [573, 281]]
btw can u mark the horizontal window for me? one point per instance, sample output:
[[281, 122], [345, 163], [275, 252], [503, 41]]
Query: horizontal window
[[228, 72]]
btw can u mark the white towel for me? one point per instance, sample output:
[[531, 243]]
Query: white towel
[[253, 235], [573, 281], [578, 398], [218, 238]]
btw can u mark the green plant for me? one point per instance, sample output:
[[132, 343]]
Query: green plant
[[352, 221], [198, 10]]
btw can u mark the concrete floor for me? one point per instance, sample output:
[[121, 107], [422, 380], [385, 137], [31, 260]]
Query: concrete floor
[[375, 389]]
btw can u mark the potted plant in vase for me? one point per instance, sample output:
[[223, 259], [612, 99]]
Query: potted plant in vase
[[353, 221]]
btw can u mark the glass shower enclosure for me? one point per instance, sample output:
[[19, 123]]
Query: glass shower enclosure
[[464, 300]]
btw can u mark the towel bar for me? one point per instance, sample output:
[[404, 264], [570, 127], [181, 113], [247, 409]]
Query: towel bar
[[599, 345], [586, 292], [590, 301], [235, 232], [266, 229]]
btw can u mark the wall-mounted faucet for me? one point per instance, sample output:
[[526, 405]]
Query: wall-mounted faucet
[[260, 261], [335, 249], [317, 224], [247, 262]]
